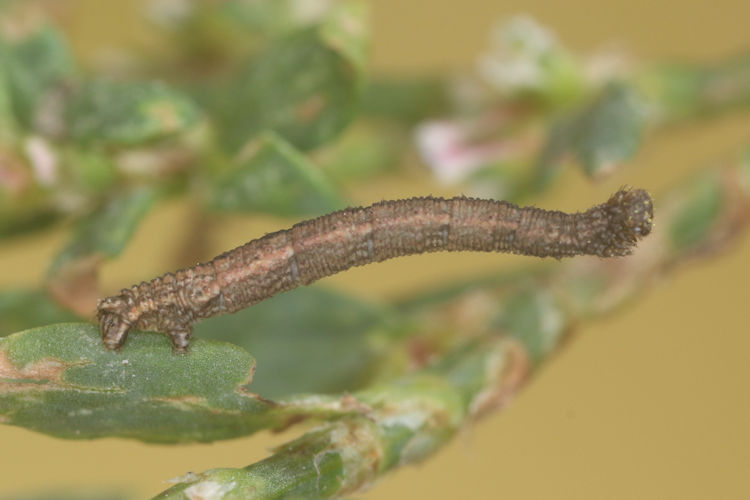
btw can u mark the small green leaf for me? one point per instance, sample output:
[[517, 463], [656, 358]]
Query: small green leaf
[[24, 309], [307, 340], [33, 66], [602, 135], [609, 132], [535, 319], [701, 205], [304, 86], [275, 178], [129, 113], [107, 231], [684, 91]]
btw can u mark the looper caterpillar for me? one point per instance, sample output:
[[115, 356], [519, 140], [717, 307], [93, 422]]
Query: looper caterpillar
[[326, 245]]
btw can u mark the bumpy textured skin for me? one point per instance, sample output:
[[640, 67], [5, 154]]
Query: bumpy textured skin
[[320, 247]]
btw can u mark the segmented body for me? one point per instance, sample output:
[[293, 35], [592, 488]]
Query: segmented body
[[320, 247]]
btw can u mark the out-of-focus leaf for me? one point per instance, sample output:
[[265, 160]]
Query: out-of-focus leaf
[[307, 340], [128, 113], [8, 121], [106, 232], [609, 132], [224, 32], [535, 318], [683, 91], [601, 136], [700, 207], [33, 66], [304, 86], [273, 177], [363, 151], [406, 100], [17, 220], [24, 309]]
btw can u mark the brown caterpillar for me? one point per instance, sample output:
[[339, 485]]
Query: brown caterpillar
[[320, 247]]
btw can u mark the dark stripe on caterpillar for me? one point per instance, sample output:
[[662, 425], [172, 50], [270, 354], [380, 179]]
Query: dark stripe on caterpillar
[[326, 245]]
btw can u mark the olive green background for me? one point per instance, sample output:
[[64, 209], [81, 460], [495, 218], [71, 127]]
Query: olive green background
[[651, 403]]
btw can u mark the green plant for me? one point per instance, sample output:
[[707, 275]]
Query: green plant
[[265, 113]]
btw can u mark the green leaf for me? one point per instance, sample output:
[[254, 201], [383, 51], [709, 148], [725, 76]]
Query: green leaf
[[701, 205], [684, 91], [536, 319], [33, 66], [60, 380], [609, 132], [274, 178], [23, 309], [129, 113], [8, 121], [307, 340], [223, 32], [602, 135], [304, 86], [107, 231]]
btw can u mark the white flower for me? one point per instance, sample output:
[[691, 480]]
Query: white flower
[[517, 50]]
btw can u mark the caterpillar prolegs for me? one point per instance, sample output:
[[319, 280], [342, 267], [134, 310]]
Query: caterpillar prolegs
[[326, 245]]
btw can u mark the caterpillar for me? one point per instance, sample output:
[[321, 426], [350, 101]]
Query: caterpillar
[[326, 245]]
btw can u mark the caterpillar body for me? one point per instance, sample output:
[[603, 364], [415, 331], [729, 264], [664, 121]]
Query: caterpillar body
[[326, 245]]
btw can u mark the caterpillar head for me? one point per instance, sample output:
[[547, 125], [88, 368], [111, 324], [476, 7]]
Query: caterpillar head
[[113, 324]]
